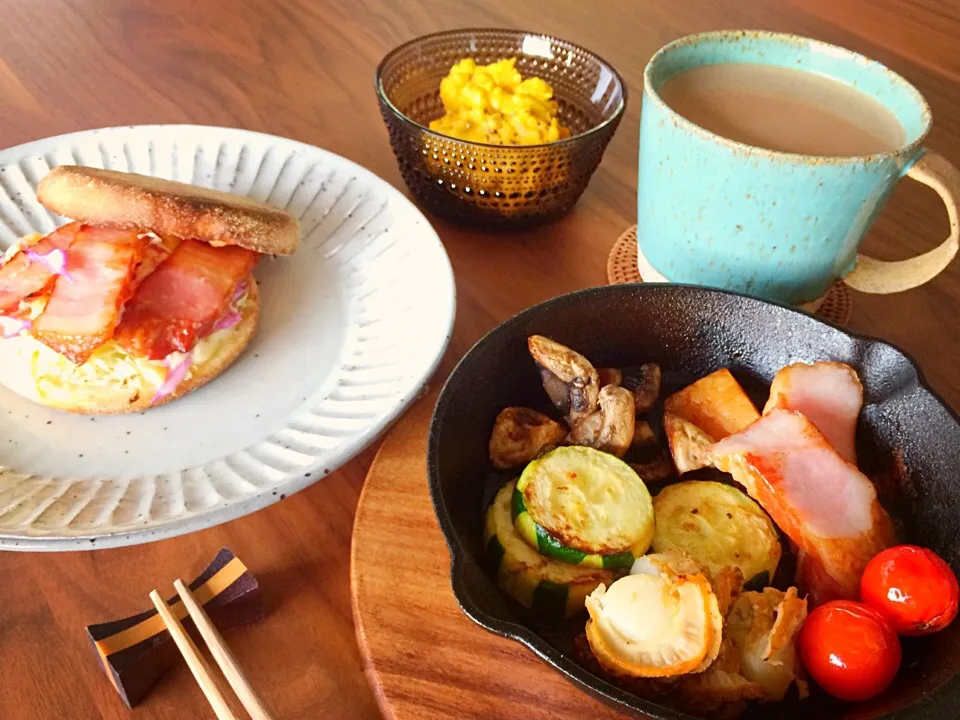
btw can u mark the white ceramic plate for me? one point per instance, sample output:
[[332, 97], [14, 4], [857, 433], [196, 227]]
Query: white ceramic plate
[[352, 326]]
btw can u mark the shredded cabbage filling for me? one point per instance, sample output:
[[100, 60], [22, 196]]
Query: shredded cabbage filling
[[113, 369]]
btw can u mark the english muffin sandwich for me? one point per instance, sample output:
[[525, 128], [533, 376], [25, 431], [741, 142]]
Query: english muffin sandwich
[[146, 296]]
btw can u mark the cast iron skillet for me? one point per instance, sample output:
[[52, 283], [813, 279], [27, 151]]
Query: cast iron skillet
[[692, 331]]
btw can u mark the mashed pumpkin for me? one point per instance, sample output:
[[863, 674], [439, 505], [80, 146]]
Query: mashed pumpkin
[[492, 104]]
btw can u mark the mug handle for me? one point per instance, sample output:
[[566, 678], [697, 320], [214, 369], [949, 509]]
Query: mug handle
[[878, 276]]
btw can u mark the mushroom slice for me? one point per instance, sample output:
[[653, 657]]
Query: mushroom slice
[[658, 470], [643, 436], [520, 434], [556, 390], [655, 623], [646, 383], [587, 431], [689, 445], [570, 368], [763, 627], [611, 428], [609, 376]]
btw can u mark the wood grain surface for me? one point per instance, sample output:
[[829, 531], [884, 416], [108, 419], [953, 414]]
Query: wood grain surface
[[425, 657], [303, 69]]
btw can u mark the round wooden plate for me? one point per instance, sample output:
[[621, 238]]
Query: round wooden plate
[[423, 656]]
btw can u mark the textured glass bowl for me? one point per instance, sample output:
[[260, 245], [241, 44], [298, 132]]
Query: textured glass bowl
[[493, 185]]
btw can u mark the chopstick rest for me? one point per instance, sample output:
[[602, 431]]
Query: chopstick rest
[[135, 651]]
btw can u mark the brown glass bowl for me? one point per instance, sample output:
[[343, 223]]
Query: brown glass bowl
[[496, 185]]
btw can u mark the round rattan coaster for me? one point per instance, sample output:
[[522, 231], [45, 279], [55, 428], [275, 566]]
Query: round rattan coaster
[[622, 268]]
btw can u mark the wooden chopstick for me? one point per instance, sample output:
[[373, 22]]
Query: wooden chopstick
[[198, 666], [223, 656]]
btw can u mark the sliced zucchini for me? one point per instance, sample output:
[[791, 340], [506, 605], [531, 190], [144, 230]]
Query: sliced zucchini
[[588, 501], [539, 539], [718, 526], [551, 589]]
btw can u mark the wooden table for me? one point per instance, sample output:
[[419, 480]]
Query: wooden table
[[304, 70]]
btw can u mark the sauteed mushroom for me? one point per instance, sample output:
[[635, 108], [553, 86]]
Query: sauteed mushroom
[[646, 382], [659, 469], [643, 435], [519, 434], [610, 376], [573, 370], [556, 390], [611, 428]]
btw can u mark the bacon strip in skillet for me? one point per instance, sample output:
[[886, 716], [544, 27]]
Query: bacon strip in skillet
[[829, 394], [827, 507]]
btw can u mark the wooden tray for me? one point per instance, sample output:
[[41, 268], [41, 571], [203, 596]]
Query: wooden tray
[[425, 658]]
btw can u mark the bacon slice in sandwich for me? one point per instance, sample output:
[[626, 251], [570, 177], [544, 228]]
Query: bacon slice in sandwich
[[23, 276], [153, 254], [182, 299], [84, 306]]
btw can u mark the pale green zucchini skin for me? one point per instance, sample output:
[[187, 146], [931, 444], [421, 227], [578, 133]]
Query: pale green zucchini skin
[[550, 588]]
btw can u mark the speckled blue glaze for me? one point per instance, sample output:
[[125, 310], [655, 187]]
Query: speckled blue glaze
[[780, 226]]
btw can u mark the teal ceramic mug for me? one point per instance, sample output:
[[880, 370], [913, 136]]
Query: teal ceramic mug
[[781, 226]]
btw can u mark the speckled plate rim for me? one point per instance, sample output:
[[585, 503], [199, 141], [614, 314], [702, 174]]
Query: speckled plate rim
[[948, 695], [445, 293]]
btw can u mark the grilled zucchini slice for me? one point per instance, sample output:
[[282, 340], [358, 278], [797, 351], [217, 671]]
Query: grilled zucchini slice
[[587, 501], [718, 526], [542, 541], [552, 589]]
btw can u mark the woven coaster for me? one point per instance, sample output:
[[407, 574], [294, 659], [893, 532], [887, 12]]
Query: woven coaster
[[622, 268]]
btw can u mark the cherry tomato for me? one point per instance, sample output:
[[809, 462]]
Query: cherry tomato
[[913, 588], [849, 650]]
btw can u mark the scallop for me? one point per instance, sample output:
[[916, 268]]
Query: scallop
[[661, 620]]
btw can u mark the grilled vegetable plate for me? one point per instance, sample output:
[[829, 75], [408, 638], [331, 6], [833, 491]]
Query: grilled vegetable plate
[[718, 526], [552, 589], [587, 501], [662, 620]]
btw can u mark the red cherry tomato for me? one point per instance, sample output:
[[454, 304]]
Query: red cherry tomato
[[913, 588], [849, 650]]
